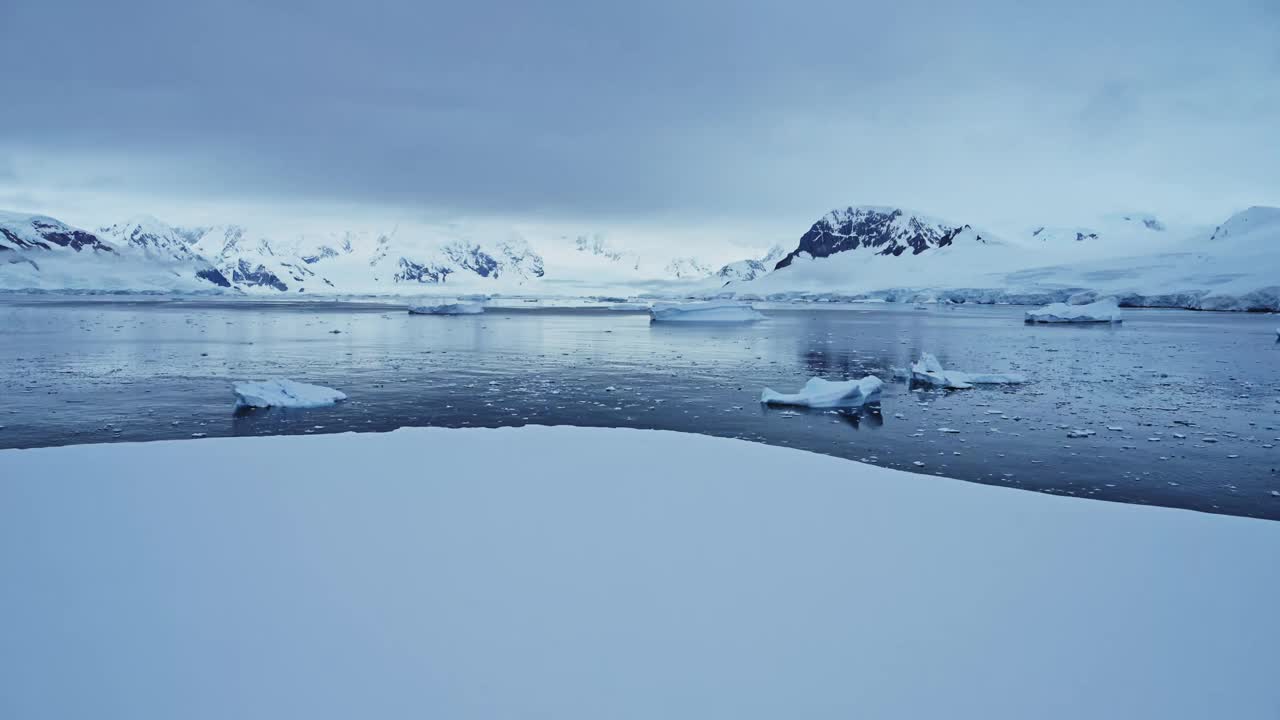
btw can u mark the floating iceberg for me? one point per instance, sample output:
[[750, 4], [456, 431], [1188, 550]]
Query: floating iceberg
[[279, 392], [1102, 311], [819, 393], [928, 371], [458, 307], [711, 311]]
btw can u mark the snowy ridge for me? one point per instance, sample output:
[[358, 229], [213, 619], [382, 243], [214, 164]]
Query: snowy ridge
[[860, 252], [879, 230]]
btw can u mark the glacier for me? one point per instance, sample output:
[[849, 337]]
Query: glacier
[[856, 253]]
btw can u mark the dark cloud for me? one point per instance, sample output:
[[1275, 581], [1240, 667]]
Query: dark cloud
[[665, 108]]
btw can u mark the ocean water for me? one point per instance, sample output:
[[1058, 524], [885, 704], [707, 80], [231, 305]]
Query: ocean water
[[1184, 407]]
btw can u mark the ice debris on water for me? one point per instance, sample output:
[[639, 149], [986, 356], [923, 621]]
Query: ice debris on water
[[715, 311], [281, 392], [1102, 311], [455, 307], [929, 372], [819, 393]]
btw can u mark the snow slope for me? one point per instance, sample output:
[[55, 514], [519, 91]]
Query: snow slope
[[1236, 267], [591, 573], [855, 252], [41, 253]]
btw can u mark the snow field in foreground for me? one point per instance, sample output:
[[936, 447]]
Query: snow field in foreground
[[574, 572]]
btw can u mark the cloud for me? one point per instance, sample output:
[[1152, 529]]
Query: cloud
[[759, 112]]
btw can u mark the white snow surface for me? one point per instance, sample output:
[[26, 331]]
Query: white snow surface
[[929, 371], [1102, 311], [457, 307], [284, 393], [591, 573], [820, 393], [718, 311]]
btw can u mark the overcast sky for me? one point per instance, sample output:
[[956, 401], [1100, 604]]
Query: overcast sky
[[668, 112]]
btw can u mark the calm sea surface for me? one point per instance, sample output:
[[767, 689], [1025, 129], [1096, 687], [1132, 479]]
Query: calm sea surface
[[1184, 407]]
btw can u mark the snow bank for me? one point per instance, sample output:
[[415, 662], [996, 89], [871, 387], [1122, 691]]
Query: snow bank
[[588, 573], [819, 393], [928, 371], [457, 307], [710, 311], [279, 392], [1102, 311]]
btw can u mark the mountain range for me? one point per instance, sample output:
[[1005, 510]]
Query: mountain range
[[851, 252]]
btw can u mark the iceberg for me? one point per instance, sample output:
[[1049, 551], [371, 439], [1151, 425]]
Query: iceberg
[[458, 307], [279, 392], [928, 371], [819, 393], [1102, 311], [711, 311]]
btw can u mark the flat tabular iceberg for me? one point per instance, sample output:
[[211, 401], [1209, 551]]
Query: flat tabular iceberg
[[279, 392], [928, 371], [819, 393], [458, 307], [711, 311], [1103, 311]]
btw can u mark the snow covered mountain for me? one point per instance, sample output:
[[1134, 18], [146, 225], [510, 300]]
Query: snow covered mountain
[[881, 231], [273, 260], [855, 252], [20, 232], [891, 254], [1259, 223], [164, 244], [744, 270]]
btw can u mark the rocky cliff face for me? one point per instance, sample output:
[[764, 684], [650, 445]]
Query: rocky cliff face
[[878, 230]]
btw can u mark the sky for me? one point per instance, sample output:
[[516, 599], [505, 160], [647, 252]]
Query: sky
[[742, 118]]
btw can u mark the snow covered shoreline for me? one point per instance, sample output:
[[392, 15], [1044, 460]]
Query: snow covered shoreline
[[301, 576], [1196, 301]]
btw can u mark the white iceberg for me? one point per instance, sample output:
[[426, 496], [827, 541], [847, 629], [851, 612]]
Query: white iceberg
[[720, 311], [1102, 311], [279, 392], [928, 371], [457, 307], [819, 393]]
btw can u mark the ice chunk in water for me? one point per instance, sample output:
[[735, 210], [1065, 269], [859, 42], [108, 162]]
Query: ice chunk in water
[[1102, 311], [711, 311], [456, 307], [819, 393], [928, 371], [279, 392]]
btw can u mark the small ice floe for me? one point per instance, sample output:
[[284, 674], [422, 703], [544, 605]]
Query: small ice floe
[[1081, 433], [819, 393], [1102, 311], [279, 392], [928, 371], [455, 307], [718, 311]]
